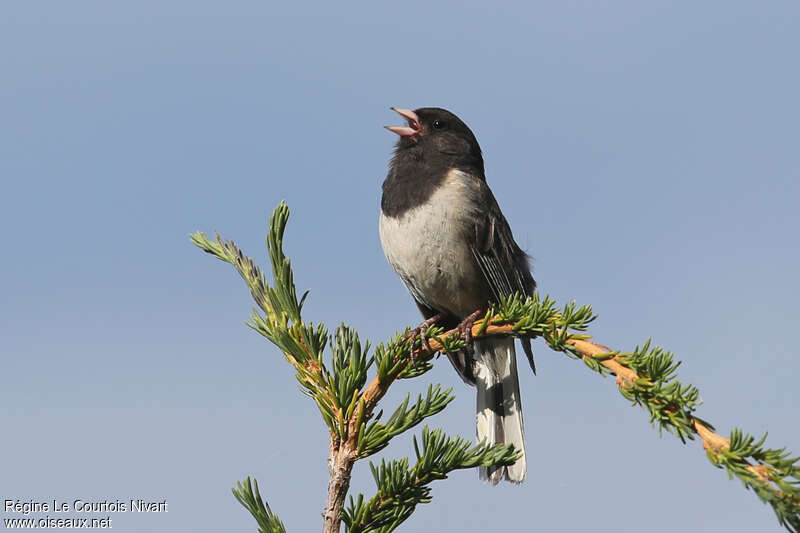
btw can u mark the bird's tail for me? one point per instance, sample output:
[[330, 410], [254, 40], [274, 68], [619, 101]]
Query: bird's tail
[[499, 409]]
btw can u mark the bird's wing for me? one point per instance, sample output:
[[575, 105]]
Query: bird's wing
[[505, 267], [502, 262]]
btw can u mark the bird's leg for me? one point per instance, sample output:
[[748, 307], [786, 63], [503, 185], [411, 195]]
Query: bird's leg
[[422, 332], [465, 330]]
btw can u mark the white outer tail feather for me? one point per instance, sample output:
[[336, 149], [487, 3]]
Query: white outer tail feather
[[499, 407]]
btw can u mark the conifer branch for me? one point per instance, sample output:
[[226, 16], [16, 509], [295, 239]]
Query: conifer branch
[[646, 377], [339, 391], [347, 399]]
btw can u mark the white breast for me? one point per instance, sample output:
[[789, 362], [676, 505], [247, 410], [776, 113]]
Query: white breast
[[427, 248]]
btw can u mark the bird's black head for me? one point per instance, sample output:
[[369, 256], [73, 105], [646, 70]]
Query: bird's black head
[[436, 135]]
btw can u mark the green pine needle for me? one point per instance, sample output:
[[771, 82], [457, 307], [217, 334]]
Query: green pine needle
[[248, 495]]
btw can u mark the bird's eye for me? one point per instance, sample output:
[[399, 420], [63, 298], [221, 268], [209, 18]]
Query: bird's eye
[[439, 124]]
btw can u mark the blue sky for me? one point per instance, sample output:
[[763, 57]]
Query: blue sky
[[646, 155]]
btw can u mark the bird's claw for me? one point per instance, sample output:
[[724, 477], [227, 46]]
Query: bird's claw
[[421, 332], [465, 330]]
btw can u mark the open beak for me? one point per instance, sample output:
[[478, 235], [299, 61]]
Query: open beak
[[413, 127]]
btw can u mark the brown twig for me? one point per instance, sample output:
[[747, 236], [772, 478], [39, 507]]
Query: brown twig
[[340, 466], [625, 375]]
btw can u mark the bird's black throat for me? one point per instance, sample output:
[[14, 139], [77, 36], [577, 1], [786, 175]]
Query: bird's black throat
[[418, 169]]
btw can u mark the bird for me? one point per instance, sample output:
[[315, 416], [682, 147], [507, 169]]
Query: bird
[[443, 233]]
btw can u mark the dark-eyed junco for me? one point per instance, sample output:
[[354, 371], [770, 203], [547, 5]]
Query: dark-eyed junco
[[445, 236]]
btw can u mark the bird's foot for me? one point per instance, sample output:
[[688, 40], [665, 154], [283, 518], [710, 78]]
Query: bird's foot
[[421, 332], [465, 330]]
